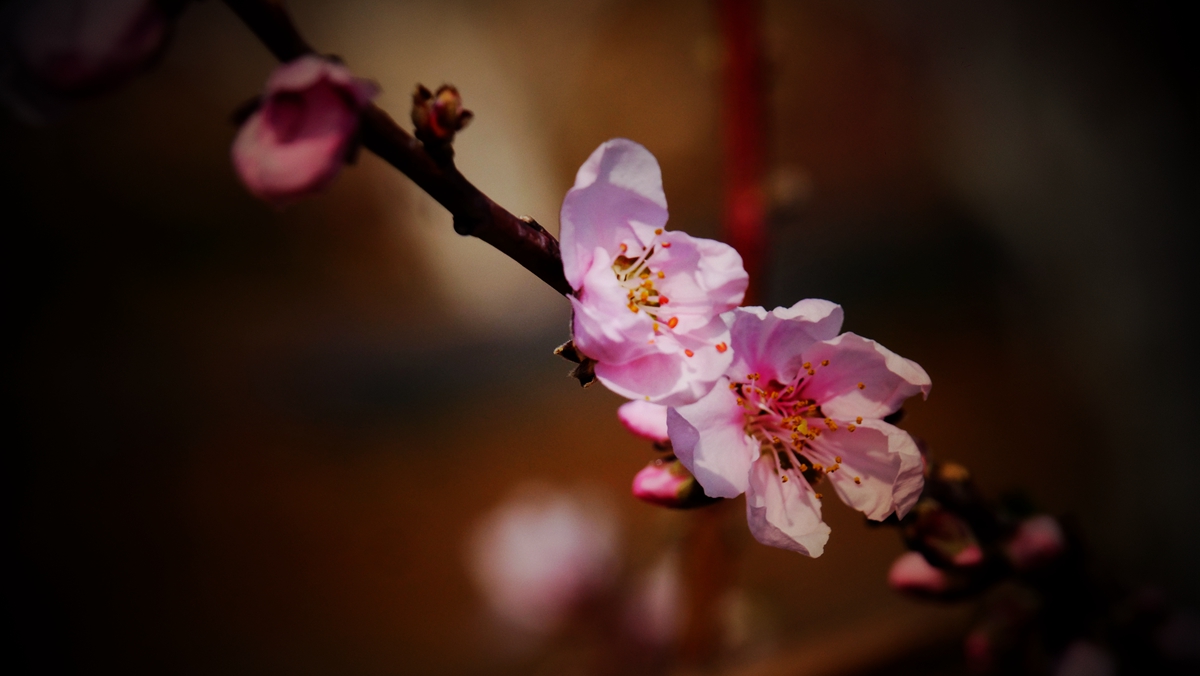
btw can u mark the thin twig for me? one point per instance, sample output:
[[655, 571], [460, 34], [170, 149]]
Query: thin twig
[[474, 213]]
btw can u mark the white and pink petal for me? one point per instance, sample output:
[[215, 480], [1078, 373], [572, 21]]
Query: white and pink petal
[[879, 467], [772, 343], [709, 439], [617, 197], [862, 378], [785, 515]]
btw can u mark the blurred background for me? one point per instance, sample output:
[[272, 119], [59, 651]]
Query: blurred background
[[249, 440]]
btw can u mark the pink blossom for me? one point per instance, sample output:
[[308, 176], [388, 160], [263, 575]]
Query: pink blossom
[[1037, 542], [666, 482], [543, 553], [647, 301], [911, 573], [63, 49], [646, 420], [296, 143], [801, 404], [654, 611]]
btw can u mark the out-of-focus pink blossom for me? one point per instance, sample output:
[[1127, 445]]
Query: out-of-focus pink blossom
[[297, 141], [1083, 658], [66, 49], [1037, 541], [801, 404], [911, 573], [541, 554], [653, 614], [647, 301]]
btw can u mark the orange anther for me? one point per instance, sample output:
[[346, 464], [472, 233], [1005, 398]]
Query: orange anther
[[689, 353], [861, 386], [721, 347], [673, 322]]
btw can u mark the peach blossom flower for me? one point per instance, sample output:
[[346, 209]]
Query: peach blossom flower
[[799, 405], [297, 142], [543, 553], [647, 301]]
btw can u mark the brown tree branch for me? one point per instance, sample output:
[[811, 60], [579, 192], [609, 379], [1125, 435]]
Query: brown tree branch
[[474, 213]]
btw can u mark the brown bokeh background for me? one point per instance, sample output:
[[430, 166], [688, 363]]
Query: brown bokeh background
[[253, 441]]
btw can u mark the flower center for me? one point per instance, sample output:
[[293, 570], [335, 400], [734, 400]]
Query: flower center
[[785, 424], [637, 276]]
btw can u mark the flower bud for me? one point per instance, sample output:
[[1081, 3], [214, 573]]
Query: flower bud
[[61, 50], [438, 116], [646, 420], [912, 574], [307, 127], [942, 536], [666, 482], [1037, 542]]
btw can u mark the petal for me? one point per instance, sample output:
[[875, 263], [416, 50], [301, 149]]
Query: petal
[[884, 458], [703, 278], [784, 515], [644, 419], [709, 440], [603, 327], [287, 150], [618, 196], [772, 343], [886, 379], [670, 379], [300, 74]]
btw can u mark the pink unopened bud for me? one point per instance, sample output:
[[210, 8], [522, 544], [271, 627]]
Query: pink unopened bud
[[439, 116], [66, 49], [646, 420], [297, 142], [912, 574], [667, 482], [1037, 542]]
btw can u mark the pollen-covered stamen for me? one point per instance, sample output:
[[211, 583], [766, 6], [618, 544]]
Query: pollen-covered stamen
[[635, 275], [785, 423]]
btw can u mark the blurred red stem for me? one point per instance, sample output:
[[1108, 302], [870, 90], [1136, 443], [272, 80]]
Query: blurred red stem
[[743, 136], [474, 213]]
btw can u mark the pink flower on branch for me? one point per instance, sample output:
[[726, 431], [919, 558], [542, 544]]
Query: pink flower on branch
[[801, 404], [68, 49], [647, 301], [307, 127]]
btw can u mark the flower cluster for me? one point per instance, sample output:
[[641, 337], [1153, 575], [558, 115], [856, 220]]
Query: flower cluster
[[767, 403]]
